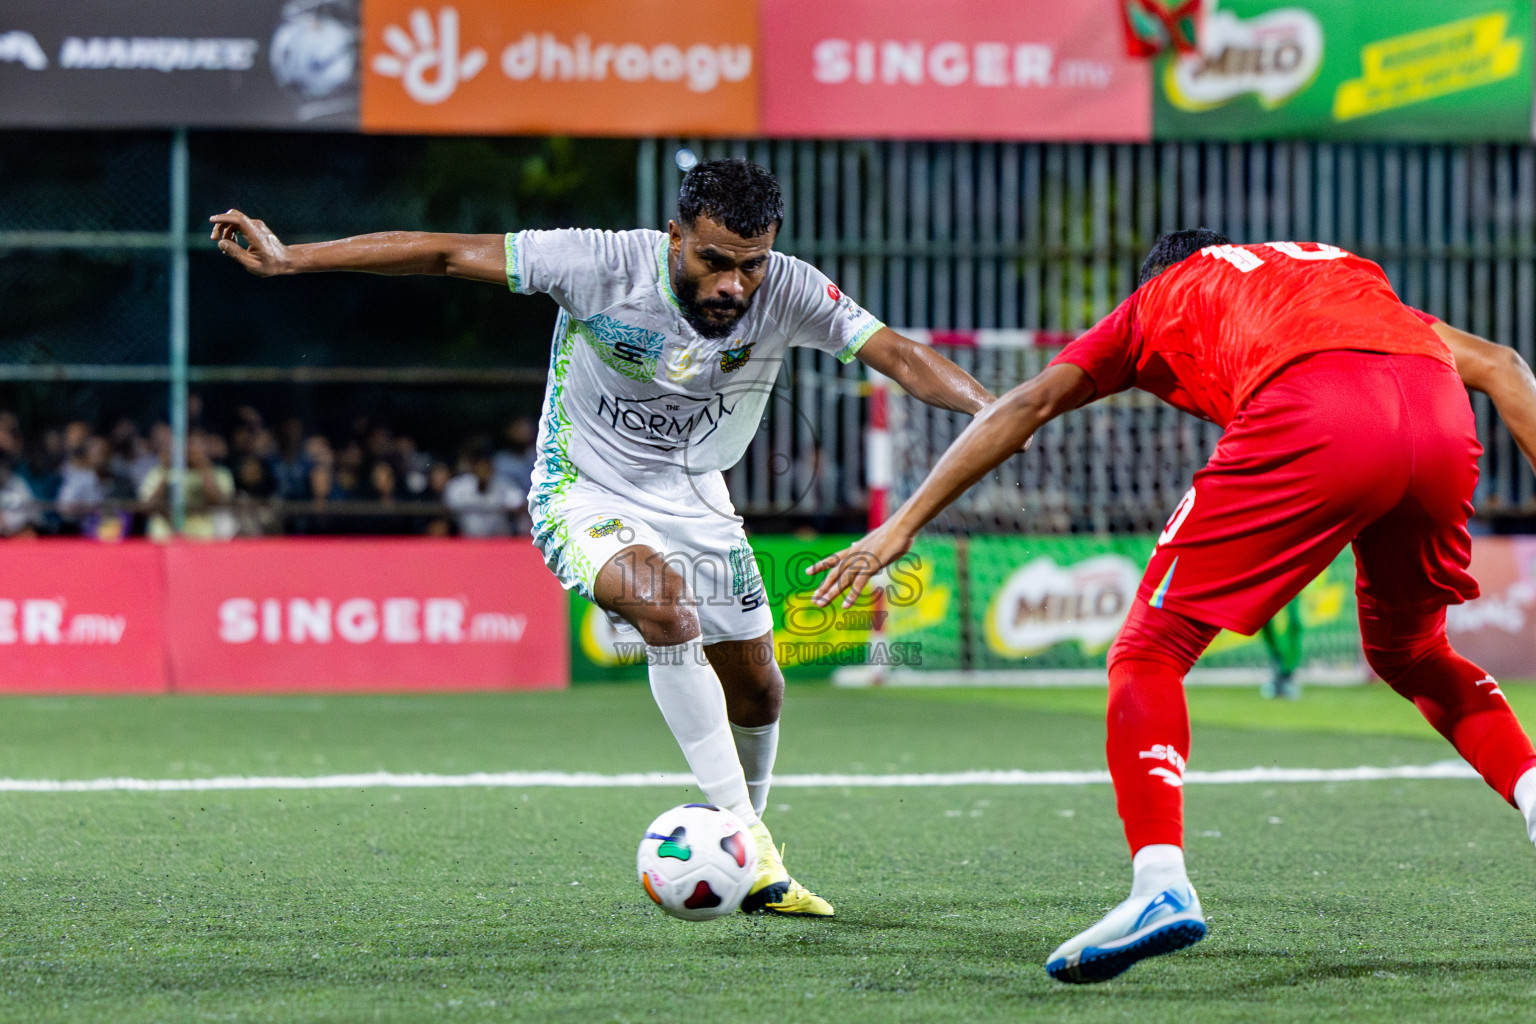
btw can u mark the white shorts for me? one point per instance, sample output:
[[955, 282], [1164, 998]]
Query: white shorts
[[586, 525]]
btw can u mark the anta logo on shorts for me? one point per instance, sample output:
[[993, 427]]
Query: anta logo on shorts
[[665, 421], [735, 358], [605, 528]]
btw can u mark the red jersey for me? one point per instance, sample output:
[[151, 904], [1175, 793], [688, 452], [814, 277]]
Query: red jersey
[[1206, 332]]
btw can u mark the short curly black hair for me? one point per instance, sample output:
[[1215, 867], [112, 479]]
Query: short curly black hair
[[736, 192], [1175, 246]]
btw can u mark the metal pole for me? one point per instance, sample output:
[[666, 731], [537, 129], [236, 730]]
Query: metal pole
[[179, 344], [645, 186]]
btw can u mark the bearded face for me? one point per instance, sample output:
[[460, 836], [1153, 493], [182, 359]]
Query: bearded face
[[715, 273]]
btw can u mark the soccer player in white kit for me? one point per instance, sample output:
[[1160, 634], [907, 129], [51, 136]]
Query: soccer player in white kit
[[664, 355]]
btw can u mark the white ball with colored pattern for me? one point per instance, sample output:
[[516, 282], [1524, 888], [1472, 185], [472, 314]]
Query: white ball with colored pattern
[[697, 862]]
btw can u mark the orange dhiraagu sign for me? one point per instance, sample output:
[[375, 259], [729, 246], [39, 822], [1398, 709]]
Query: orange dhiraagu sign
[[586, 67]]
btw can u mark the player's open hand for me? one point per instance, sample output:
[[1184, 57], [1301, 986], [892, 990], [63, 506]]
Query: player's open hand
[[852, 568], [262, 254]]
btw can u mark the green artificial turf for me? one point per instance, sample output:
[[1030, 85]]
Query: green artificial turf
[[1396, 901]]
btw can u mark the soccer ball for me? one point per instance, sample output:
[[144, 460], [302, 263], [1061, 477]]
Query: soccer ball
[[697, 861]]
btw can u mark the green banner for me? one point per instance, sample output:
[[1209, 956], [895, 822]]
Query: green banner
[[1057, 603], [919, 616], [1413, 70]]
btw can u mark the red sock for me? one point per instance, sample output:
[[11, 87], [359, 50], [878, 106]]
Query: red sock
[[1148, 723], [1408, 649]]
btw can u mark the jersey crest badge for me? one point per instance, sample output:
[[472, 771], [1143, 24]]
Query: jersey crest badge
[[735, 358], [605, 528]]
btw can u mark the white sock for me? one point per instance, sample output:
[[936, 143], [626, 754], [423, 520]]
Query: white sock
[[1158, 866], [1525, 799], [757, 746], [688, 693]]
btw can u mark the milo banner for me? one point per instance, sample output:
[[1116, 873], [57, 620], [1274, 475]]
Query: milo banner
[[1413, 70], [1056, 603], [915, 624]]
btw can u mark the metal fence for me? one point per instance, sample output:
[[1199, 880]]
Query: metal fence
[[1004, 235], [939, 235]]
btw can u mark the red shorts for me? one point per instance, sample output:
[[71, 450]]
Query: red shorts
[[1338, 447]]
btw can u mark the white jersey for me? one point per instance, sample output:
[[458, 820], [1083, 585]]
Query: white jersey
[[639, 403]]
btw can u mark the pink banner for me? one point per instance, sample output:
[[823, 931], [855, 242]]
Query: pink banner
[[951, 69], [1498, 630], [81, 617], [366, 615]]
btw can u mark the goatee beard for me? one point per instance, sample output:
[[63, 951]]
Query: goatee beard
[[705, 327]]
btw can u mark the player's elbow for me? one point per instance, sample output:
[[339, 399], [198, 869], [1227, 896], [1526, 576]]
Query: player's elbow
[[1498, 367], [1024, 408]]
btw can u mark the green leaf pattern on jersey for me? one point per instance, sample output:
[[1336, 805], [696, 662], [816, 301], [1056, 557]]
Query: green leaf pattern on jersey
[[631, 351], [545, 504], [744, 573]]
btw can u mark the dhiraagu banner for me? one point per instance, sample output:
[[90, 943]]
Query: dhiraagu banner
[[1410, 70], [1057, 602]]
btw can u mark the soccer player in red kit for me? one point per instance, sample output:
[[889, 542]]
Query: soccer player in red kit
[[1346, 422]]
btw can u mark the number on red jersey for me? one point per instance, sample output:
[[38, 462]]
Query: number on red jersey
[[1242, 259], [1245, 260]]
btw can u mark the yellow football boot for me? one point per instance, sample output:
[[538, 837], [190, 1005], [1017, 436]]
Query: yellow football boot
[[775, 892]]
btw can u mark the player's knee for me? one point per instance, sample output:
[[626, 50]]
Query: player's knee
[[1156, 634], [1396, 640], [664, 624], [642, 588]]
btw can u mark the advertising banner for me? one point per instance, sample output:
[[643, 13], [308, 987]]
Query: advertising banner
[[956, 69], [919, 619], [1057, 603], [375, 615], [1498, 630], [582, 67], [82, 617], [916, 625], [166, 63], [1414, 70]]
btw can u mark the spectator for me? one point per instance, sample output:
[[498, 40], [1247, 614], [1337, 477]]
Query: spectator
[[414, 465], [514, 463], [254, 489], [132, 455], [321, 485], [384, 490], [483, 502], [349, 469], [45, 456], [18, 509], [290, 467], [81, 489], [209, 490], [10, 437], [439, 474]]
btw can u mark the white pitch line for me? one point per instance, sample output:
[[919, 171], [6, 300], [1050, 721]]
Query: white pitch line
[[670, 780]]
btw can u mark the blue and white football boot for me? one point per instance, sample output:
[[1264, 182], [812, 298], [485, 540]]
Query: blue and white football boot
[[1140, 927]]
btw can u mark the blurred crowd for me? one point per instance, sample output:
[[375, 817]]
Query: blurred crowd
[[258, 479]]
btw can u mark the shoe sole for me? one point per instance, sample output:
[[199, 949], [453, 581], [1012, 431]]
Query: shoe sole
[[796, 913], [1097, 964]]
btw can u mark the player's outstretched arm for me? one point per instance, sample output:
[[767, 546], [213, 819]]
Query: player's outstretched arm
[[923, 373], [998, 431], [1499, 372], [474, 257]]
